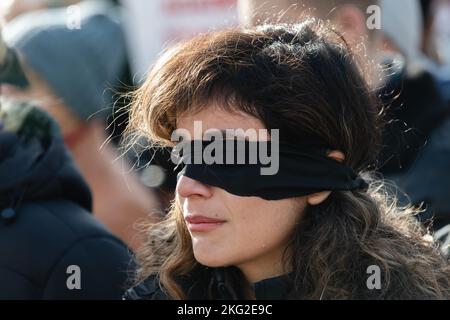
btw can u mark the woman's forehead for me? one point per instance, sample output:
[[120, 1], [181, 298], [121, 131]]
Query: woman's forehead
[[218, 119]]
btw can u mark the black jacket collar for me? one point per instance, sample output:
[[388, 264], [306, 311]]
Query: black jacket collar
[[35, 165], [277, 288]]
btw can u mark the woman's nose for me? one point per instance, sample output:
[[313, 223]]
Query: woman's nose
[[187, 187]]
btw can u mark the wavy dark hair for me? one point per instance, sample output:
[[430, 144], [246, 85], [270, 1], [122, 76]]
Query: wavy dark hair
[[304, 79]]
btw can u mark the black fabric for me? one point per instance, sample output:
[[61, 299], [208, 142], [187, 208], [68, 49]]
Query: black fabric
[[45, 223], [196, 286], [416, 140], [415, 107], [303, 169], [427, 182], [277, 288]]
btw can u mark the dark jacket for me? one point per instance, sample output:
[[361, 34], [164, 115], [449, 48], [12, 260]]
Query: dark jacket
[[196, 288], [416, 153], [45, 221], [427, 182], [414, 109]]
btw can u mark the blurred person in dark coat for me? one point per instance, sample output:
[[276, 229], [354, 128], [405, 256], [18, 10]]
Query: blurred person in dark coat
[[72, 73], [47, 233]]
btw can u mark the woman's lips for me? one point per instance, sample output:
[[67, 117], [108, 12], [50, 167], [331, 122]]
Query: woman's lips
[[202, 224]]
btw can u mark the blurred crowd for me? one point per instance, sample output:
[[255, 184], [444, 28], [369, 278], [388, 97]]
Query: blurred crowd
[[67, 72]]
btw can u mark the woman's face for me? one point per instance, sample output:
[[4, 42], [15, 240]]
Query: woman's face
[[41, 94], [247, 232]]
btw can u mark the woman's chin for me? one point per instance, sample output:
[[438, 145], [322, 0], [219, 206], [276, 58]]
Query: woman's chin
[[212, 259]]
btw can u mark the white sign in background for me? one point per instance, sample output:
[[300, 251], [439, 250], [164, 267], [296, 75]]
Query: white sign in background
[[153, 25]]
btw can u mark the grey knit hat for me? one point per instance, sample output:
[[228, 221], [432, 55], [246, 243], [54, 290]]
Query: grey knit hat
[[81, 65]]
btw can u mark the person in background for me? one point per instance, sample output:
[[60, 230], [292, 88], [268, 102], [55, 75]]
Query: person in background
[[428, 14], [415, 105], [349, 16], [435, 44], [51, 246], [72, 74], [428, 10], [418, 138]]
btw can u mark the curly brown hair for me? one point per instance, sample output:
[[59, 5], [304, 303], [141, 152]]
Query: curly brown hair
[[304, 79]]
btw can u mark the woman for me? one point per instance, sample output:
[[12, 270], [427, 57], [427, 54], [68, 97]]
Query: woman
[[315, 230]]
